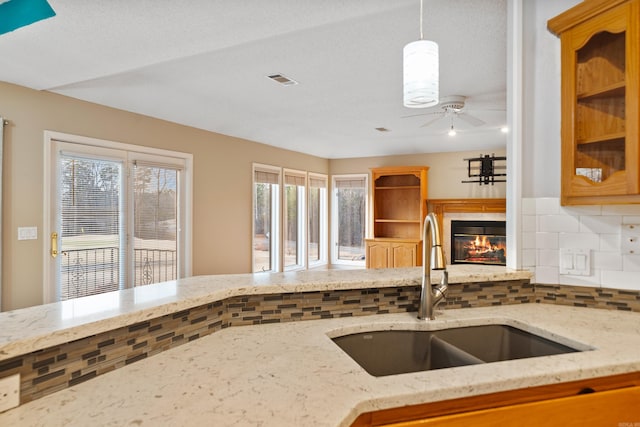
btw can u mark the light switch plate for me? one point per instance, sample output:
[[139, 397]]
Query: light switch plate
[[575, 261], [27, 233]]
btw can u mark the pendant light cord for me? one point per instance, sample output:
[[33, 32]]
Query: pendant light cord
[[421, 35]]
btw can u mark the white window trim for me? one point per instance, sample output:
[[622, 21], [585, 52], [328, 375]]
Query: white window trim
[[324, 221], [302, 219], [141, 152], [335, 219], [275, 244]]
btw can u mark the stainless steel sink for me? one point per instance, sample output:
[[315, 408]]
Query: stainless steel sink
[[394, 352]]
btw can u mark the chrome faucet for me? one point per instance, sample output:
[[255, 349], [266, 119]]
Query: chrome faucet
[[432, 258]]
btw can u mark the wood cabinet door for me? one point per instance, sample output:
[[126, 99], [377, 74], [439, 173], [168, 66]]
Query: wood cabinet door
[[404, 255], [606, 408], [378, 254]]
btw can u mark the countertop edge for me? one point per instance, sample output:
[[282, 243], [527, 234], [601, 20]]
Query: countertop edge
[[35, 328]]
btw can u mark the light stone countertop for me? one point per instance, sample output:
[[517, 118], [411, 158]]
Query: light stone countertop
[[35, 328], [292, 374]]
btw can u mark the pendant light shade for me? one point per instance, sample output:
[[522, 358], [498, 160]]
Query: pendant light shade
[[421, 74]]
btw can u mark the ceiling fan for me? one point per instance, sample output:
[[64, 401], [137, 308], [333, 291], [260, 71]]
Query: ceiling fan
[[451, 107]]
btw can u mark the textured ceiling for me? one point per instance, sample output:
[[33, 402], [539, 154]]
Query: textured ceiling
[[203, 63]]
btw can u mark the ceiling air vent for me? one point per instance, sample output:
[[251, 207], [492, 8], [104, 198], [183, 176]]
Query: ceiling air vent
[[283, 80]]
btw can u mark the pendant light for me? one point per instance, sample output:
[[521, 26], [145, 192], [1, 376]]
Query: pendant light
[[421, 72]]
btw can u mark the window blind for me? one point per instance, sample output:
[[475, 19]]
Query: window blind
[[91, 228], [350, 182], [291, 179], [266, 177], [317, 182]]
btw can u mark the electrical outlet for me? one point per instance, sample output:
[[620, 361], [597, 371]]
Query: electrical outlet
[[9, 392]]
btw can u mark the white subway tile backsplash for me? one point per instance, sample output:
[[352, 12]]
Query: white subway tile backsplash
[[529, 240], [548, 227], [581, 210], [590, 281], [558, 223], [606, 260], [600, 224], [548, 257], [528, 258], [610, 243], [631, 219], [620, 279], [529, 223], [631, 263], [621, 210], [528, 206], [546, 240], [548, 275], [547, 206], [579, 240]]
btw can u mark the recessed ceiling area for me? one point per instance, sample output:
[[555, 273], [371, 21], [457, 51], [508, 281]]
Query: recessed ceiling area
[[206, 64]]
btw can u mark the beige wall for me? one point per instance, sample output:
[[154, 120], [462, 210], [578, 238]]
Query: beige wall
[[446, 171], [221, 175]]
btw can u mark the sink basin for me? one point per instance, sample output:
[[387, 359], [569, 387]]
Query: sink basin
[[393, 352], [494, 343], [383, 353]]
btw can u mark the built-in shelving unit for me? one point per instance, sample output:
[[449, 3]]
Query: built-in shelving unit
[[399, 207]]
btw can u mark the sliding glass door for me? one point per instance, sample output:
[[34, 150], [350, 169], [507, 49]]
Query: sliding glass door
[[115, 220]]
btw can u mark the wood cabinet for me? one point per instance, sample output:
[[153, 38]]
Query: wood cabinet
[[399, 197], [599, 401], [393, 253], [600, 45]]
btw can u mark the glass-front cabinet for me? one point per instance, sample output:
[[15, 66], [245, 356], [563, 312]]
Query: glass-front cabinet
[[600, 93]]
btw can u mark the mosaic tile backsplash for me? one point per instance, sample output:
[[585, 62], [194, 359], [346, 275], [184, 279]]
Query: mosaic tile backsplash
[[52, 369]]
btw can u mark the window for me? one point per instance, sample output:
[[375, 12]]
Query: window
[[266, 218], [317, 216], [117, 215], [349, 208], [294, 219], [289, 219]]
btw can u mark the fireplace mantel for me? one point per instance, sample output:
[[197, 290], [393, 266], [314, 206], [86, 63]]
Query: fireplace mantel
[[442, 206], [445, 206]]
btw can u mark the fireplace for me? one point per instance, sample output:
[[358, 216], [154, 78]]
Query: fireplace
[[478, 242]]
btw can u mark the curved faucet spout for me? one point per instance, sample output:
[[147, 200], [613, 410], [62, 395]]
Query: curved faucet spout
[[432, 259]]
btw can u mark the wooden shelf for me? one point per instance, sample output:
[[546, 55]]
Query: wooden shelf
[[398, 221], [602, 138], [613, 90], [399, 187]]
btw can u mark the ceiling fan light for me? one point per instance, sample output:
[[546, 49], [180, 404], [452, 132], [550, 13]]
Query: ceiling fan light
[[421, 74], [452, 131]]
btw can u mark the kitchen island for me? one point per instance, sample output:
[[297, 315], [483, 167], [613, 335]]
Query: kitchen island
[[292, 374]]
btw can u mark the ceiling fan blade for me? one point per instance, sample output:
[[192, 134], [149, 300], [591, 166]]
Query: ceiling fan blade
[[474, 121], [421, 114], [433, 120]]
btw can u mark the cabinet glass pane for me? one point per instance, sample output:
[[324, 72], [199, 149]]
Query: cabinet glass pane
[[600, 107]]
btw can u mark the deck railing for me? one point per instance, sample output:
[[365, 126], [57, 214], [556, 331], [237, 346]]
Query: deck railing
[[97, 270]]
